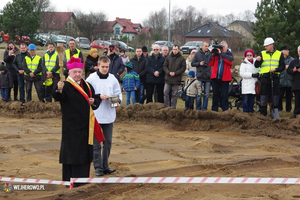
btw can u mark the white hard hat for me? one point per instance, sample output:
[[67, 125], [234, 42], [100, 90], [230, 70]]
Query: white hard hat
[[268, 41]]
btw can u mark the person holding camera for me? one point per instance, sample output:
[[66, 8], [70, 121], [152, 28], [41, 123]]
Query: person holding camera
[[116, 66], [271, 62], [294, 70], [221, 62], [9, 56], [203, 73]]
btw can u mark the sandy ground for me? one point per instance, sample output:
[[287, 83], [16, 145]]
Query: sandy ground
[[152, 140]]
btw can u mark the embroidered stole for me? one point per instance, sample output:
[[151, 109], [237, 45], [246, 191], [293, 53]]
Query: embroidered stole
[[94, 127]]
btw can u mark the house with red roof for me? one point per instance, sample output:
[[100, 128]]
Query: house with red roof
[[122, 27], [58, 23]]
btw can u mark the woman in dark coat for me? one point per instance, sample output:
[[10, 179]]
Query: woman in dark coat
[[294, 70], [91, 62], [9, 55]]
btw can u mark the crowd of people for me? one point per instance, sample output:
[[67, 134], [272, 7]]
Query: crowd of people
[[157, 77], [88, 111]]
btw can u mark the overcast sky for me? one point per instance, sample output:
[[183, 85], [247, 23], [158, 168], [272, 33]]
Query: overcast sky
[[140, 11]]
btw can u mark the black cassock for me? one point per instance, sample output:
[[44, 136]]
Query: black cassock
[[75, 150]]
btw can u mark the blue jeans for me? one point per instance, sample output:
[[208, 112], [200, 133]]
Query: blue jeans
[[220, 92], [205, 97], [21, 84], [139, 94], [128, 95], [5, 94], [248, 102], [189, 103]]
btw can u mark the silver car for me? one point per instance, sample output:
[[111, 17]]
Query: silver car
[[83, 43]]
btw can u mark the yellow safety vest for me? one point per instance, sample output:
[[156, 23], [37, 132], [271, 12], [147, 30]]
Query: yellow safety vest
[[32, 64], [74, 55], [270, 61], [51, 62]]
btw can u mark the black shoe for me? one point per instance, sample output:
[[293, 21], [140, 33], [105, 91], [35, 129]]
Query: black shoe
[[109, 171], [99, 173], [293, 117]]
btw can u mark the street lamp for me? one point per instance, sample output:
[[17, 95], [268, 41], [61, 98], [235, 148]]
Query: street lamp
[[169, 20]]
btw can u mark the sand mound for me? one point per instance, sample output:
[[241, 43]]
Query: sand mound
[[152, 113]]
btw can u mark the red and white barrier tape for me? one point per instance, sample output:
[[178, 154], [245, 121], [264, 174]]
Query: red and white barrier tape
[[27, 180], [224, 180], [195, 180]]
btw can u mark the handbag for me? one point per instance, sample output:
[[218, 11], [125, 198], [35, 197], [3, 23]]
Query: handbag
[[182, 91]]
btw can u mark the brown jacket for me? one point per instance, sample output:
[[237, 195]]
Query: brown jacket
[[174, 63]]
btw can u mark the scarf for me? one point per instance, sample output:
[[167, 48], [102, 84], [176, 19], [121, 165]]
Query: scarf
[[94, 127]]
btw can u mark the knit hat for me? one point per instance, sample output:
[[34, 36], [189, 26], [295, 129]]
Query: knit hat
[[2, 66], [93, 51], [249, 50], [193, 51], [74, 63], [130, 65], [144, 49], [191, 74], [284, 48], [31, 47]]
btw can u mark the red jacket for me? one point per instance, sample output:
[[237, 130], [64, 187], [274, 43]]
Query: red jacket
[[227, 68]]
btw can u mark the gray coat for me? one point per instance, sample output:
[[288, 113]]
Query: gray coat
[[203, 72]]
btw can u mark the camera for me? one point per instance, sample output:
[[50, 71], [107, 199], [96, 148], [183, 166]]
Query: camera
[[215, 50], [10, 48]]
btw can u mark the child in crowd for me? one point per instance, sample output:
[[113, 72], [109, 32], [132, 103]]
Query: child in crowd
[[6, 82], [192, 89], [131, 82]]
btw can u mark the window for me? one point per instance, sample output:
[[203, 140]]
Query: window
[[117, 30]]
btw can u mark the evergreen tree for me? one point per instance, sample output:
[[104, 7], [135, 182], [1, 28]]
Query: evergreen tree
[[278, 19], [21, 17]]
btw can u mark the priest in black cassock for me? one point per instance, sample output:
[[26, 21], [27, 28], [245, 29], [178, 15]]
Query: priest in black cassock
[[79, 125]]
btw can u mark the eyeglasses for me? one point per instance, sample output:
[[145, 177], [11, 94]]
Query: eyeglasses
[[249, 55], [155, 49]]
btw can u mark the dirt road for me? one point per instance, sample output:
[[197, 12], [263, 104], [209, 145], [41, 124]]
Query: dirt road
[[154, 141]]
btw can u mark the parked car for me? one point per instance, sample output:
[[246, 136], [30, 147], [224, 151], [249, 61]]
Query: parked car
[[163, 43], [100, 44], [83, 43], [119, 44], [130, 49], [66, 38], [189, 46], [56, 39]]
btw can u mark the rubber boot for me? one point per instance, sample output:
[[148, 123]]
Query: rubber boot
[[263, 110]]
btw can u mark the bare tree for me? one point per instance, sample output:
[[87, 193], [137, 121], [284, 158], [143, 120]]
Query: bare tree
[[90, 25], [157, 21]]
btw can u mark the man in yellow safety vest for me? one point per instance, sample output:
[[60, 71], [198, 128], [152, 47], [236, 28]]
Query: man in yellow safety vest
[[72, 51], [33, 73], [50, 65], [271, 62]]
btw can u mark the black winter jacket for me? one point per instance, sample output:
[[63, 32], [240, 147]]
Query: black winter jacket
[[18, 61], [116, 66], [140, 67], [153, 65], [9, 63], [295, 75], [203, 72], [6, 80]]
